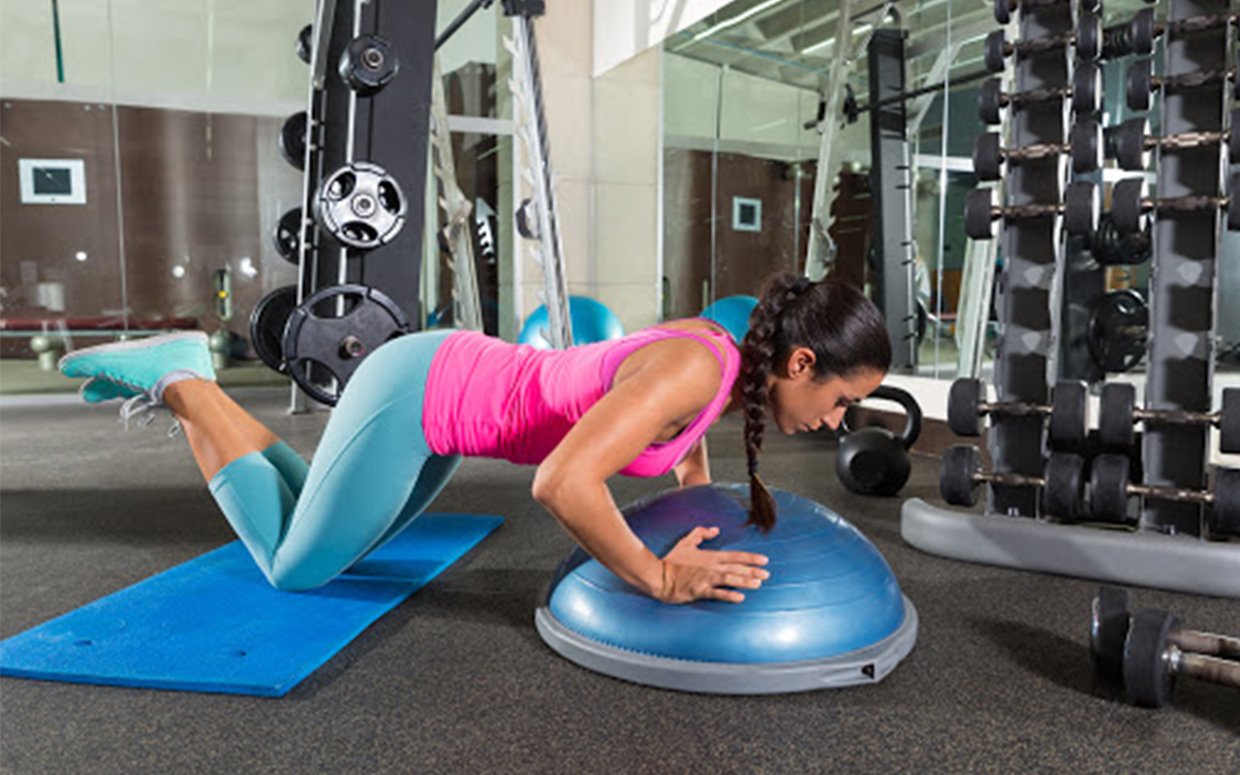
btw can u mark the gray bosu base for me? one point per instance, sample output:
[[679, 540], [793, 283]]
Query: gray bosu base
[[864, 666], [1177, 563]]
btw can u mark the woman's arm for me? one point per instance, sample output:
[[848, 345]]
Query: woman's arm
[[676, 379], [695, 468]]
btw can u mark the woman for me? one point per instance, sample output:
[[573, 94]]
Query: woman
[[639, 406]]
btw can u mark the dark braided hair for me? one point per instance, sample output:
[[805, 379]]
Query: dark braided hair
[[843, 328]]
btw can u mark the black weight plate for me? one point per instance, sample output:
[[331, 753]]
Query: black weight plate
[[964, 414], [1126, 205], [1082, 208], [1089, 37], [1118, 329], [1138, 84], [1087, 89], [287, 235], [1229, 422], [1108, 629], [267, 322], [293, 140], [996, 51], [1224, 517], [1116, 424], [305, 43], [990, 102], [1003, 11], [1108, 488], [1063, 485], [1148, 679], [961, 463], [368, 64], [987, 156], [1086, 141], [1130, 144], [1068, 402], [1141, 32], [978, 223]]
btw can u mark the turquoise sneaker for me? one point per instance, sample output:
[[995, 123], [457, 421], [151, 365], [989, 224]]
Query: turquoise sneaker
[[139, 371]]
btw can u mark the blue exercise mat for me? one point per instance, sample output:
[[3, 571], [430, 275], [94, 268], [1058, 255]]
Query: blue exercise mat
[[214, 624]]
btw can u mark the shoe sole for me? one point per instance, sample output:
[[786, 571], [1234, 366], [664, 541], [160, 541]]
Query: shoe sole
[[134, 345]]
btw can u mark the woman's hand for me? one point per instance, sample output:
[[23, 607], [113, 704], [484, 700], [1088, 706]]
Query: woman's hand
[[692, 573]]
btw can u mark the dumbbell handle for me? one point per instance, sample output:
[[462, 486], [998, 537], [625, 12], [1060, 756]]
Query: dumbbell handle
[[1035, 96], [1176, 416], [1186, 139], [1009, 479], [1178, 494], [1037, 151], [1015, 408], [1196, 23], [1207, 643], [1192, 80], [1213, 669], [1186, 203]]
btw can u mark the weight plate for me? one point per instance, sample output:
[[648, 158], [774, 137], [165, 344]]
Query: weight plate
[[333, 331], [1108, 628], [987, 156], [1229, 422], [1148, 678], [1118, 328], [990, 101], [961, 463], [978, 222], [361, 206], [1068, 402], [293, 140], [1138, 84], [1063, 485], [1086, 141], [1224, 516], [1087, 89], [368, 64], [1082, 208], [1003, 11], [1141, 32], [1108, 488], [1116, 424], [267, 322], [1126, 205], [964, 414], [287, 235], [996, 51], [1089, 37], [305, 43], [1130, 144]]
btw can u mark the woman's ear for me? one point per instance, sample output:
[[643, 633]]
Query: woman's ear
[[801, 363]]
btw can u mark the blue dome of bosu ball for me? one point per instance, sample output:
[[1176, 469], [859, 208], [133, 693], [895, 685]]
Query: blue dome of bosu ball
[[732, 312], [592, 322], [831, 614]]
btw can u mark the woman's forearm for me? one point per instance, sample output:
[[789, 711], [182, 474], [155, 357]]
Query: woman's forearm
[[590, 516]]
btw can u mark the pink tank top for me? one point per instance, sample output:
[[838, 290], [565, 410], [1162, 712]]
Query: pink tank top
[[488, 398]]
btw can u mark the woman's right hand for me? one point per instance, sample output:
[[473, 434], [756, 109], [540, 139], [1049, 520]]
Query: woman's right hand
[[693, 573]]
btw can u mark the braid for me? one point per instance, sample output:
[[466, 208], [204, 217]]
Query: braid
[[758, 352]]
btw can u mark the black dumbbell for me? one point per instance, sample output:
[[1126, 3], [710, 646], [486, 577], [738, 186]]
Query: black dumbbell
[[1004, 8], [1087, 38], [1119, 413], [1111, 623], [1154, 656], [1141, 81], [1085, 93], [1084, 144], [966, 406], [1080, 210], [368, 64], [1110, 248], [1062, 480], [293, 139], [305, 43], [1129, 205], [1144, 28], [1110, 489], [1133, 141]]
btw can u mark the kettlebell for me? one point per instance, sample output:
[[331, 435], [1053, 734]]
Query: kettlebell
[[874, 461]]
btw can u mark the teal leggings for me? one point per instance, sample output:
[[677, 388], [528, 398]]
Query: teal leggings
[[372, 474]]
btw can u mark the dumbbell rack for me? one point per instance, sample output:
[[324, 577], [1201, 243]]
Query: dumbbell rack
[[1170, 548]]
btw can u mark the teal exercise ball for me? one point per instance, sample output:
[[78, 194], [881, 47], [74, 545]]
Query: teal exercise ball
[[732, 312], [592, 322]]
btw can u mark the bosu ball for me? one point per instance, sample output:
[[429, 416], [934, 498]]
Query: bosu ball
[[831, 614]]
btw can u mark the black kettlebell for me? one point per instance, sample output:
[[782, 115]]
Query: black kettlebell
[[874, 461]]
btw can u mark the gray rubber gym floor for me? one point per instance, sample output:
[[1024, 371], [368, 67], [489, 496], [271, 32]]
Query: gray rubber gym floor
[[457, 680]]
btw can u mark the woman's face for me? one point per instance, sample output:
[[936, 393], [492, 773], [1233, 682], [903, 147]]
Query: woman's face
[[800, 402]]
